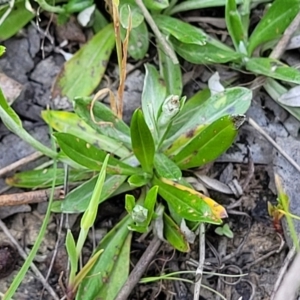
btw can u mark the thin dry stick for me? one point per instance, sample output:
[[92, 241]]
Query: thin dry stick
[[275, 145], [279, 48], [59, 234], [139, 269], [291, 282], [168, 50], [283, 42], [22, 253], [199, 271], [23, 161], [282, 271], [29, 197]]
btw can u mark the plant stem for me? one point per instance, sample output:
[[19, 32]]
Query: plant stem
[[54, 9], [164, 44]]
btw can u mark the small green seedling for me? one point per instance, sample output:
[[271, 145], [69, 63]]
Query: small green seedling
[[224, 230]]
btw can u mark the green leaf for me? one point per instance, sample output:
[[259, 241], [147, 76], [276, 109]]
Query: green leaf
[[182, 31], [142, 141], [139, 180], [114, 127], [171, 73], [130, 10], [99, 21], [44, 177], [189, 206], [149, 204], [138, 41], [275, 90], [72, 255], [83, 72], [119, 273], [235, 26], [273, 68], [274, 22], [129, 203], [212, 52], [224, 230], [196, 4], [78, 199], [157, 4], [165, 167], [89, 156], [154, 93], [169, 109], [74, 6], [93, 286], [15, 21], [14, 124], [174, 235], [68, 122], [209, 144], [2, 50], [203, 111], [89, 216], [86, 268]]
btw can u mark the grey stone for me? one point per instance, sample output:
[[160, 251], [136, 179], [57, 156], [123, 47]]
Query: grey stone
[[17, 62]]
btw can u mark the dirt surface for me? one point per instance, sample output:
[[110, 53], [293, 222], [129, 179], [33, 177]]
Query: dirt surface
[[256, 249]]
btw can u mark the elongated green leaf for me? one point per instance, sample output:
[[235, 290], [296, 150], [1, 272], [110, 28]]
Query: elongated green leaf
[[149, 204], [78, 199], [15, 21], [182, 31], [174, 235], [189, 206], [196, 4], [83, 72], [71, 250], [274, 22], [206, 54], [210, 143], [89, 156], [89, 216], [275, 90], [119, 273], [68, 122], [235, 26], [142, 141], [86, 268], [154, 93], [156, 5], [273, 68], [112, 244], [165, 167], [171, 73], [14, 124], [232, 101], [43, 178], [114, 127], [138, 41]]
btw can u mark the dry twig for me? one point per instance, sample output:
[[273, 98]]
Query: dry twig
[[199, 271], [139, 269], [23, 161], [274, 144], [29, 197]]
